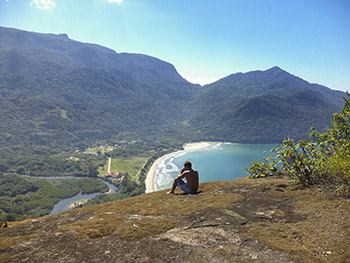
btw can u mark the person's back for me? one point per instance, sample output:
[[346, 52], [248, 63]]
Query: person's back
[[192, 179]]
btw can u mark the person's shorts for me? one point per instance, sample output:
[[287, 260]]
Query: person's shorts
[[184, 187]]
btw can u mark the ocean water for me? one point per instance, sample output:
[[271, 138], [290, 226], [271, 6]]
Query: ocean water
[[220, 161]]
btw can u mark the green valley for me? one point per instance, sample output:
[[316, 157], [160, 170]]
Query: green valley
[[64, 105]]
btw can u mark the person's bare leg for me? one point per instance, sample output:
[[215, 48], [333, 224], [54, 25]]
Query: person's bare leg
[[172, 191]]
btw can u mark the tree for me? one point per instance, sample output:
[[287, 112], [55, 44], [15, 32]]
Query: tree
[[3, 168], [92, 170], [20, 170]]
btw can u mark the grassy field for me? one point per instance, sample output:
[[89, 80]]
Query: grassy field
[[102, 149], [131, 165]]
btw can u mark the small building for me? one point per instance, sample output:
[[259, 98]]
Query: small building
[[118, 181], [112, 175]]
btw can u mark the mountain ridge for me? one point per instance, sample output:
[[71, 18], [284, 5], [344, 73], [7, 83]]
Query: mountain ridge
[[108, 95], [279, 77]]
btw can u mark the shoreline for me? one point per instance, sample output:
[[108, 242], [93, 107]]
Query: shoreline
[[187, 147]]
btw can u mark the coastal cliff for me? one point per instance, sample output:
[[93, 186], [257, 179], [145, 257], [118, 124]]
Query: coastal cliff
[[261, 220]]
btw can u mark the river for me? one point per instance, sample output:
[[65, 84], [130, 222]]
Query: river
[[68, 203]]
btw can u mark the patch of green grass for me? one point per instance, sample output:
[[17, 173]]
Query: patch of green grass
[[101, 149], [102, 170], [131, 165]]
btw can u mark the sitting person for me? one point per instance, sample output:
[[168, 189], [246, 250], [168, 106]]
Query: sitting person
[[191, 177]]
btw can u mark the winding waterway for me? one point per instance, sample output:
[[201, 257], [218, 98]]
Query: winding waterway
[[68, 203]]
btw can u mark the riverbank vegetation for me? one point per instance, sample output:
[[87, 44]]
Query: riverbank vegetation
[[322, 160], [70, 163], [24, 197]]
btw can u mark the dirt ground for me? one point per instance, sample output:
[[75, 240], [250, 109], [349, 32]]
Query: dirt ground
[[261, 220]]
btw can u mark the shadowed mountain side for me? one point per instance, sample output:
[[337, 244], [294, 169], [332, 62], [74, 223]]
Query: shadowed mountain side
[[261, 220], [266, 118], [273, 81]]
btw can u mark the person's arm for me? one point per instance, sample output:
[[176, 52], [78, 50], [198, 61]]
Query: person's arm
[[179, 177]]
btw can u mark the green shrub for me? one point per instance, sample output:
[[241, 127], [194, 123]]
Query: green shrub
[[262, 168], [324, 159]]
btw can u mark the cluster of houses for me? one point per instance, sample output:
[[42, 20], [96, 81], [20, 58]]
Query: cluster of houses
[[116, 178]]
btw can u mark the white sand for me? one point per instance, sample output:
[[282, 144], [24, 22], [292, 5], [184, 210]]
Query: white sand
[[187, 147]]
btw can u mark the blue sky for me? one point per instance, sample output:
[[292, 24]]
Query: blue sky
[[206, 40]]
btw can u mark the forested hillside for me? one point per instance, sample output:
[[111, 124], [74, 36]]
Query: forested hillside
[[57, 93], [263, 106]]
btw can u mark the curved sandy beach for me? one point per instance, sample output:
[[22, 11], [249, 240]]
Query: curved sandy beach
[[187, 147]]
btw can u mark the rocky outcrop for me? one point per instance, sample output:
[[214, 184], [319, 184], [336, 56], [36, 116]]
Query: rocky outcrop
[[262, 220]]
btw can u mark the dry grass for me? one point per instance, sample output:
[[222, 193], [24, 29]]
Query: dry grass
[[6, 257], [302, 223], [7, 242], [324, 235], [108, 217], [107, 223], [162, 204], [159, 203], [320, 230], [94, 227], [15, 223], [139, 229]]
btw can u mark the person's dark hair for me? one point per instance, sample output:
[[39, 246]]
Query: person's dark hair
[[188, 164]]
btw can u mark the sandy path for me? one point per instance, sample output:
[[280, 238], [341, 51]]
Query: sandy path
[[109, 165]]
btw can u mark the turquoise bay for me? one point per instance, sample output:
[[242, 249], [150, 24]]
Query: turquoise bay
[[220, 161]]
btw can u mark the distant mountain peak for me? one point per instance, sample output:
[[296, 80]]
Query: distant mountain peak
[[64, 36], [275, 68]]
